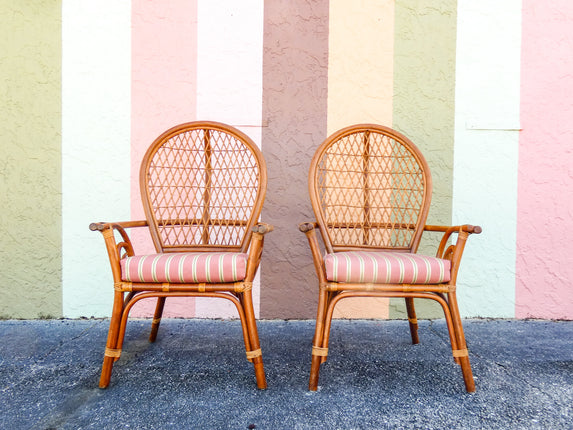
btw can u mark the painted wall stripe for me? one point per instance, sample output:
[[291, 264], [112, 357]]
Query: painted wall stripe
[[485, 161], [30, 163], [95, 145], [360, 87], [230, 88], [545, 196], [294, 108], [424, 90], [164, 94]]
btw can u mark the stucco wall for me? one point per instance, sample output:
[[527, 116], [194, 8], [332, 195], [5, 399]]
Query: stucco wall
[[424, 88], [30, 133], [294, 108], [545, 198], [481, 87]]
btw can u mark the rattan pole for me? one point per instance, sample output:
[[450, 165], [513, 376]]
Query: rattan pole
[[207, 192], [366, 168]]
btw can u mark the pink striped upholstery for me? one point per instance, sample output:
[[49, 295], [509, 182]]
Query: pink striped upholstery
[[385, 268], [186, 267]]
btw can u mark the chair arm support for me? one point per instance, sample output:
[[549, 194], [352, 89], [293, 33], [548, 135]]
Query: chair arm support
[[309, 229], [454, 251], [114, 248], [255, 251]]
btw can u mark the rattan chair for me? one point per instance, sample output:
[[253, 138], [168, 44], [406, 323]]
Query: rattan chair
[[202, 186], [370, 189]]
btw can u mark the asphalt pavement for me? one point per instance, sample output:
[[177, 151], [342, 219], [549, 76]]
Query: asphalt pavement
[[196, 376]]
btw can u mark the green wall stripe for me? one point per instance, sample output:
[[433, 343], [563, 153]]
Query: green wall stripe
[[424, 92], [30, 162]]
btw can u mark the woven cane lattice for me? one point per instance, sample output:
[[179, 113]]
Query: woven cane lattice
[[371, 188], [203, 187]]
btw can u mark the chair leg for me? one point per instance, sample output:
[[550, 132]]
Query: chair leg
[[461, 354], [254, 354], [412, 320], [319, 353], [157, 318], [111, 353]]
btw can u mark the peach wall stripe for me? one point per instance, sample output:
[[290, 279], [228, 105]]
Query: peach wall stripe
[[487, 122], [545, 201], [96, 79], [360, 89], [230, 87], [164, 93]]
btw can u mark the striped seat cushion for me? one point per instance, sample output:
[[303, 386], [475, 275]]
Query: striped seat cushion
[[185, 267], [380, 267]]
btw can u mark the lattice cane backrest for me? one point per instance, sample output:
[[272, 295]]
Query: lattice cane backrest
[[203, 186], [370, 187]]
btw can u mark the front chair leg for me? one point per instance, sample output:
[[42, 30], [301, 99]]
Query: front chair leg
[[461, 353], [112, 354], [319, 353], [254, 353]]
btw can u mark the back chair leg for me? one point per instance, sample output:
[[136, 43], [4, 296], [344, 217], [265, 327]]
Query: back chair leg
[[412, 320], [157, 318]]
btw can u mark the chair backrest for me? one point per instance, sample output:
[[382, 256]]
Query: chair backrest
[[370, 187], [202, 186]]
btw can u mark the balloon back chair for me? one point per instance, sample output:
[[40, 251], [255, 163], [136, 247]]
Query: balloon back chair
[[202, 186], [370, 190]]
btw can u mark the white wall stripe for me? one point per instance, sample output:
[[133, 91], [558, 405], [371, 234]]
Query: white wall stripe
[[230, 87], [96, 81], [485, 152]]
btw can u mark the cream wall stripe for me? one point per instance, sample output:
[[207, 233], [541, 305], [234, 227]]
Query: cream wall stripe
[[360, 88], [95, 145], [485, 156], [360, 62]]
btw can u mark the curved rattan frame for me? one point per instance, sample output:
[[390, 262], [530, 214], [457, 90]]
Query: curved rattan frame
[[331, 293], [314, 184], [250, 241], [178, 130]]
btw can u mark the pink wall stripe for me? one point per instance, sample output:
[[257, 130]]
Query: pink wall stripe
[[164, 93], [544, 264]]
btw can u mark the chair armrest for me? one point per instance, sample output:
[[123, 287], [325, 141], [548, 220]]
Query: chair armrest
[[262, 228], [468, 228], [100, 226], [307, 226]]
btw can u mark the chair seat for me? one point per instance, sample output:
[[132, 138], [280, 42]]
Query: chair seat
[[185, 267], [381, 267]]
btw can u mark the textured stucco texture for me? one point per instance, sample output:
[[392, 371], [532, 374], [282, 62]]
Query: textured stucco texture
[[424, 77], [295, 61], [30, 137]]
